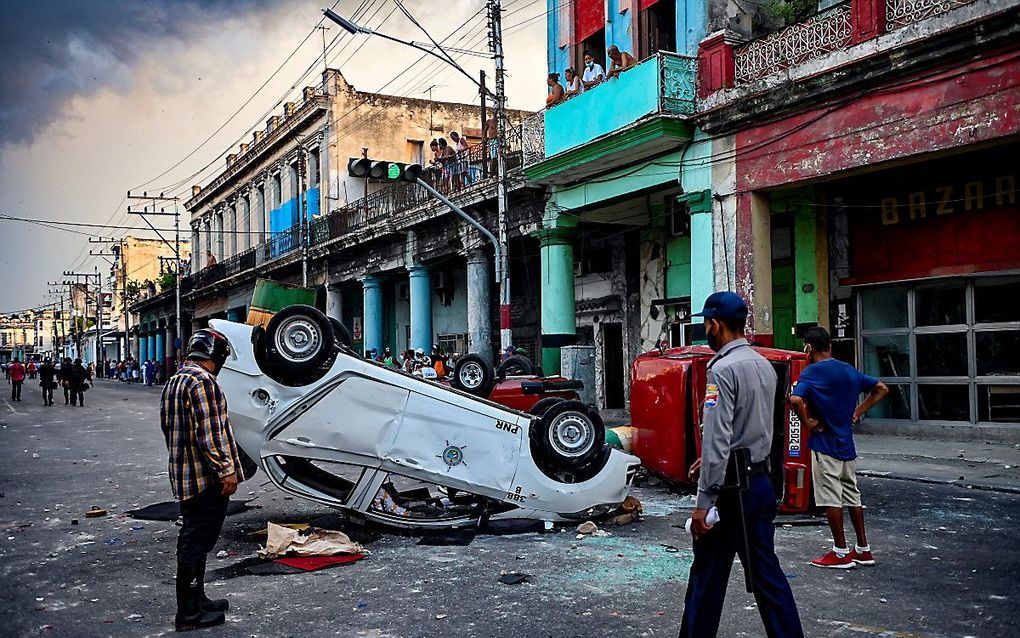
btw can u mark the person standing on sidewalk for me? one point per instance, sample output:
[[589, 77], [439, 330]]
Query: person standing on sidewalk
[[17, 372], [825, 398], [739, 402], [48, 381], [78, 382], [205, 469], [64, 375]]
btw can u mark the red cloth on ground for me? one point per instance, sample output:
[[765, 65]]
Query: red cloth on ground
[[312, 563]]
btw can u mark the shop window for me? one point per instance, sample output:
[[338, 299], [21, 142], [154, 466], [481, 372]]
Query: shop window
[[887, 356], [998, 353], [942, 354], [996, 300], [896, 404], [943, 402], [884, 308], [941, 305], [999, 403]]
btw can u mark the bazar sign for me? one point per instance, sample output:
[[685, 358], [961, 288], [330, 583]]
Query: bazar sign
[[949, 198]]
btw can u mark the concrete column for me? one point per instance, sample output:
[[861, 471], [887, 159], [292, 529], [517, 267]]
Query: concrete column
[[168, 351], [136, 345], [232, 227], [143, 346], [420, 289], [753, 261], [208, 242], [702, 254], [151, 350], [372, 323], [334, 303], [245, 236], [558, 314], [479, 304], [196, 245], [159, 337], [218, 223]]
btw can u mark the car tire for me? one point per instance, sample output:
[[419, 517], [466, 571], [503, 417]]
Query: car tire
[[299, 343], [569, 435], [341, 335], [515, 365], [542, 405], [474, 375]]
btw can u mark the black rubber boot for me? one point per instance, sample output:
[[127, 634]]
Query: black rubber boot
[[190, 614], [219, 604]]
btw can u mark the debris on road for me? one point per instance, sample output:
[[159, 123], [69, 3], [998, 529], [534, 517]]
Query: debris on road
[[284, 541], [514, 578], [628, 512], [588, 528], [95, 512]]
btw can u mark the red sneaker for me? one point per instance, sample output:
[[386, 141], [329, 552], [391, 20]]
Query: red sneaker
[[862, 558], [832, 560]]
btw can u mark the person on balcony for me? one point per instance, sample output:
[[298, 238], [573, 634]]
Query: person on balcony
[[460, 167], [448, 160], [574, 86], [621, 61], [556, 91], [210, 259], [593, 72]]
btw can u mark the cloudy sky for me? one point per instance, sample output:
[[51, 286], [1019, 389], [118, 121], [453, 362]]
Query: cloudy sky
[[101, 96]]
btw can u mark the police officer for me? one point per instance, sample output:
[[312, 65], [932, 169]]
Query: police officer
[[739, 400]]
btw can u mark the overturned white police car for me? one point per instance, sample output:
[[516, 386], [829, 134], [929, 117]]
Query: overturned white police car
[[331, 427]]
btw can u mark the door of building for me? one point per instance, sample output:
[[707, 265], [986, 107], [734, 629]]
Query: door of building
[[784, 298], [612, 365]]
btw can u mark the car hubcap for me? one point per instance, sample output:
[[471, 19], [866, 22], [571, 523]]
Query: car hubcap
[[571, 434], [471, 375], [298, 339]]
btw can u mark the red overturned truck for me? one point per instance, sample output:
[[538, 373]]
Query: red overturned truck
[[667, 393]]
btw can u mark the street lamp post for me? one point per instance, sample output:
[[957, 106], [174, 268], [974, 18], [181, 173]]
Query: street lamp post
[[502, 270]]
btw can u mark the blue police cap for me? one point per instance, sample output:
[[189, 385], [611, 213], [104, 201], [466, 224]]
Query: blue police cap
[[722, 305]]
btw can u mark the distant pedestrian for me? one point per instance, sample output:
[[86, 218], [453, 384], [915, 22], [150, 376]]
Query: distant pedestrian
[[388, 358], [64, 376], [205, 469], [17, 372], [7, 374], [47, 380], [78, 383], [825, 399], [136, 372], [32, 368], [150, 372]]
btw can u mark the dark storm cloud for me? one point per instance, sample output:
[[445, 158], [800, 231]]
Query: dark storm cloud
[[52, 51]]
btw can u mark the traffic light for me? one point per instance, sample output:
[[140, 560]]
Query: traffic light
[[383, 170]]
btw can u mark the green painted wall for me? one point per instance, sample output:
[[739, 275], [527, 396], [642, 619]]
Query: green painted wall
[[696, 181], [654, 172], [800, 204], [678, 267]]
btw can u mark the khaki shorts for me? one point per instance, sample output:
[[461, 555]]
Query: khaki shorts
[[835, 481]]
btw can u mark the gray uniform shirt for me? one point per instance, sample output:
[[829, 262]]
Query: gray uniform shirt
[[739, 395]]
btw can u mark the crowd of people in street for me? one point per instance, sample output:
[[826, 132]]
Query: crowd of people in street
[[131, 370], [591, 76], [436, 365]]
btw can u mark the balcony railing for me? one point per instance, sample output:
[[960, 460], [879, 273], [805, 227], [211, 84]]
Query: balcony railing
[[900, 13], [822, 33], [663, 84]]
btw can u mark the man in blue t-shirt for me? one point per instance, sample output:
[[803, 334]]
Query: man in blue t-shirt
[[825, 398]]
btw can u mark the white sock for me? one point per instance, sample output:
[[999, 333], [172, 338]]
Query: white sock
[[865, 548], [840, 551]]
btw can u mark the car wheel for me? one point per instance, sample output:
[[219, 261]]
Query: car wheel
[[299, 342], [542, 405], [474, 375], [341, 335], [570, 434], [515, 365]]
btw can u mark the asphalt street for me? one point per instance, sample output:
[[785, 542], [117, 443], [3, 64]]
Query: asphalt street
[[947, 555]]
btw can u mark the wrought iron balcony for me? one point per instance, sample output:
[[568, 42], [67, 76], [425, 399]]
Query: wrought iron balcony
[[661, 85], [820, 34]]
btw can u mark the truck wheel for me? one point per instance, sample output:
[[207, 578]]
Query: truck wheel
[[341, 335], [299, 341], [515, 365], [474, 375], [570, 434], [542, 405]]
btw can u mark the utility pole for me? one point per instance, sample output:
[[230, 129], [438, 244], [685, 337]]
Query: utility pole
[[302, 205], [60, 337], [482, 94], [176, 247], [87, 276], [496, 45], [120, 281]]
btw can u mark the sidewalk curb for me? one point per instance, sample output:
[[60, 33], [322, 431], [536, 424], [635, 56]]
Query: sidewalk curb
[[913, 479]]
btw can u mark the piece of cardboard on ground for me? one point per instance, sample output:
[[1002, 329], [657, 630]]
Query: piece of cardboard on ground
[[284, 541]]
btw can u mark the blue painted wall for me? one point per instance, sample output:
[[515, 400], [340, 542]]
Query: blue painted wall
[[312, 202], [606, 108]]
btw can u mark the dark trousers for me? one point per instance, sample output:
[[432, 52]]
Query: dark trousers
[[77, 397], [67, 395], [47, 394], [713, 558], [203, 519], [16, 390]]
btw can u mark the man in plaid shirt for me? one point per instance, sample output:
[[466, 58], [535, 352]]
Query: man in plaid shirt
[[205, 469]]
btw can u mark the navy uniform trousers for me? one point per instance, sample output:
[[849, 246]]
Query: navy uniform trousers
[[713, 558]]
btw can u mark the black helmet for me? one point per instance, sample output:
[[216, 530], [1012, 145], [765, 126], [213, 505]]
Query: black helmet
[[210, 345]]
